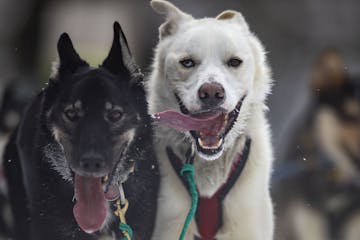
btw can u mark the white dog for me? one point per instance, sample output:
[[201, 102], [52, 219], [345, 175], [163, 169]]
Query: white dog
[[214, 71]]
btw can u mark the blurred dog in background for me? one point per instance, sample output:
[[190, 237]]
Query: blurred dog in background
[[13, 101], [320, 199]]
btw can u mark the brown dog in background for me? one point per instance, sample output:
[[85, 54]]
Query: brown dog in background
[[320, 199]]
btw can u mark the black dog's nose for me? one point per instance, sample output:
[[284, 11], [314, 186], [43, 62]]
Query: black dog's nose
[[92, 163], [211, 94]]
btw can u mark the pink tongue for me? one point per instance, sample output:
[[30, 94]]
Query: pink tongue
[[183, 122], [90, 208]]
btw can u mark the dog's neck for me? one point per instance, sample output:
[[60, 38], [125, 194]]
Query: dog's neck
[[209, 175]]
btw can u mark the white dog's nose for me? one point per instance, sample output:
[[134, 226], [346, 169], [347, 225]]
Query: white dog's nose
[[211, 94]]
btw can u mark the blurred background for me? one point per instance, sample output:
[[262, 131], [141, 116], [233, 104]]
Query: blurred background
[[295, 34]]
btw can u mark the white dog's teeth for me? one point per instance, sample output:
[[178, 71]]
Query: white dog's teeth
[[218, 144], [226, 119], [201, 143]]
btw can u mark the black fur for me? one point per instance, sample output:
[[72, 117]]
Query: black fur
[[41, 168]]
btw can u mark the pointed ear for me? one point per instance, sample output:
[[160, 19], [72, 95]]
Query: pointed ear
[[174, 17], [233, 16], [119, 58], [69, 59]]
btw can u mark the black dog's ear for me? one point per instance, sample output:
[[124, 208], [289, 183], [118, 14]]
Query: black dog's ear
[[69, 59], [119, 58]]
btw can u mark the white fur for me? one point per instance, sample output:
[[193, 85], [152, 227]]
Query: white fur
[[211, 42]]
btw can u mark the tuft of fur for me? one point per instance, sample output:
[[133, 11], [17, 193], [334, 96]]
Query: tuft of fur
[[55, 154]]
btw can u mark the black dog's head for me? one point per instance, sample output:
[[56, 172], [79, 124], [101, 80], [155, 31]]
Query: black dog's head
[[95, 116]]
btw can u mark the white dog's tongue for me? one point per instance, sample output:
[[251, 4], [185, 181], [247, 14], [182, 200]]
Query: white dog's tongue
[[90, 208], [183, 122]]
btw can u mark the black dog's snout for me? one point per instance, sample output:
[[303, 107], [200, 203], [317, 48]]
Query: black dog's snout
[[211, 94], [92, 163]]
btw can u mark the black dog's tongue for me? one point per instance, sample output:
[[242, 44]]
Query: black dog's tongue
[[90, 208], [183, 122]]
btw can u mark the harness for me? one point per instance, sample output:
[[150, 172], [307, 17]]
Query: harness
[[209, 217]]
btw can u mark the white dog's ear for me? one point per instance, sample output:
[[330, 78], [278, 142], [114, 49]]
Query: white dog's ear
[[174, 17], [263, 77], [234, 16]]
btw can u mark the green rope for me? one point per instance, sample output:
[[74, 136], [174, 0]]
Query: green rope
[[188, 171], [127, 229]]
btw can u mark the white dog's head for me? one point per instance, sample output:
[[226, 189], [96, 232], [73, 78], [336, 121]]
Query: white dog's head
[[211, 68]]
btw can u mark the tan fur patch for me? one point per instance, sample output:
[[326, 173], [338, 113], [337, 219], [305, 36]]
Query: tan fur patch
[[127, 137], [352, 107], [328, 71], [59, 136], [108, 106], [351, 137], [56, 133]]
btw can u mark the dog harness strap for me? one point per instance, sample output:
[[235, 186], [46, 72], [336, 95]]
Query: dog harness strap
[[188, 171], [209, 210], [122, 206]]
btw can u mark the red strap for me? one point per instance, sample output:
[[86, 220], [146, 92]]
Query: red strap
[[207, 217], [209, 210]]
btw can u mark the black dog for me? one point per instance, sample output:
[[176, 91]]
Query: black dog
[[83, 136]]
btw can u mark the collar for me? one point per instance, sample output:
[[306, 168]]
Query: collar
[[209, 211]]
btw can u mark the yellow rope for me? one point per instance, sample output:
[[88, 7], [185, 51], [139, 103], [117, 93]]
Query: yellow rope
[[121, 212]]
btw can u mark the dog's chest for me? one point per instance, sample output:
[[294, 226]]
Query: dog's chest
[[209, 213]]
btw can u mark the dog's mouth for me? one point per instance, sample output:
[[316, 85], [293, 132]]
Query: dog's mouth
[[208, 127], [92, 195]]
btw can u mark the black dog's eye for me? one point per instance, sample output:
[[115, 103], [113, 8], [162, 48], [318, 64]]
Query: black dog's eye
[[234, 62], [71, 114], [114, 115], [188, 63]]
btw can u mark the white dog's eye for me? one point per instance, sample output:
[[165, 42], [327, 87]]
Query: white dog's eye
[[234, 62], [188, 63]]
